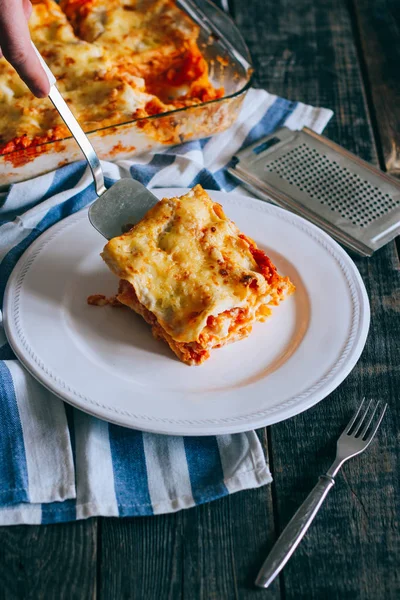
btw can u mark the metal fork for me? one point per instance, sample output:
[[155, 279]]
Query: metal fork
[[356, 438]]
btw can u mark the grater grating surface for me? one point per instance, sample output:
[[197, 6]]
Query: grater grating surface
[[303, 171]]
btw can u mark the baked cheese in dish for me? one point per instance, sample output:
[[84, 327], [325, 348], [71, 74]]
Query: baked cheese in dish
[[115, 61], [193, 276]]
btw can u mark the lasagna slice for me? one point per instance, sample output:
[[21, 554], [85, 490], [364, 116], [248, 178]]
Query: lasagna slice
[[193, 276]]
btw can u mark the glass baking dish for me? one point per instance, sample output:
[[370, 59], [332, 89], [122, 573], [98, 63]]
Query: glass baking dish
[[229, 66]]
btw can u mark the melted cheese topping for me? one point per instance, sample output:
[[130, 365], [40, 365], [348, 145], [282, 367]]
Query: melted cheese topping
[[114, 61], [188, 262]]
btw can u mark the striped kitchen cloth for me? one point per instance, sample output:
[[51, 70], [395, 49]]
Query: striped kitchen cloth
[[59, 464]]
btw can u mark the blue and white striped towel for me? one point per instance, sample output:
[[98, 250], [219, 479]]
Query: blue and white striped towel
[[59, 464]]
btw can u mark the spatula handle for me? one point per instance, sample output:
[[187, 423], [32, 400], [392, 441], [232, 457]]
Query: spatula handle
[[74, 127]]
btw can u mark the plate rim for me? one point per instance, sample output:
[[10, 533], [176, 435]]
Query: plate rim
[[256, 419]]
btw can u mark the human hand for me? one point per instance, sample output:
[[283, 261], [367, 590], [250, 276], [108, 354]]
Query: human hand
[[16, 47]]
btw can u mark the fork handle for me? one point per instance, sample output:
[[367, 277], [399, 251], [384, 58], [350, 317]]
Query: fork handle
[[294, 532]]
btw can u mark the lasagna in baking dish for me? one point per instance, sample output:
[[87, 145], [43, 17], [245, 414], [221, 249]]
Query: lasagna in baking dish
[[193, 276], [114, 61]]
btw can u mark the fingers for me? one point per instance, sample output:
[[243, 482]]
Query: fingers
[[16, 46], [27, 6]]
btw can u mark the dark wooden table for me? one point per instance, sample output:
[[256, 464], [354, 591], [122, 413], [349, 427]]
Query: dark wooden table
[[342, 54]]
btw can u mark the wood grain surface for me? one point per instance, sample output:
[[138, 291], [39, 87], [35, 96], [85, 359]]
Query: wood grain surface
[[378, 29], [310, 54], [339, 54], [49, 562]]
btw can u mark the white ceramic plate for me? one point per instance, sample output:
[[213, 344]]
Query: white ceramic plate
[[105, 361]]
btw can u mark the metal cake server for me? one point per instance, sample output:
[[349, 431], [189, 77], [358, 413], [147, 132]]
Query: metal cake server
[[122, 204]]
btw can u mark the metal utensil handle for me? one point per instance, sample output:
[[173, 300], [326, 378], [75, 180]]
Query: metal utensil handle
[[294, 532], [74, 127]]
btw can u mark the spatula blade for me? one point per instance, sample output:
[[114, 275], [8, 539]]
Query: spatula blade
[[123, 204]]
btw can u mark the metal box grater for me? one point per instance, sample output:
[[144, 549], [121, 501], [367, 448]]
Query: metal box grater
[[308, 174]]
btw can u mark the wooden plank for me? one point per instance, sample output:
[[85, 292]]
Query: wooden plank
[[305, 51], [141, 558], [208, 553], [378, 24], [48, 562], [225, 543]]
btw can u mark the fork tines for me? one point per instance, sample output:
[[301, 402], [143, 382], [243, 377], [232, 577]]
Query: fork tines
[[361, 425]]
